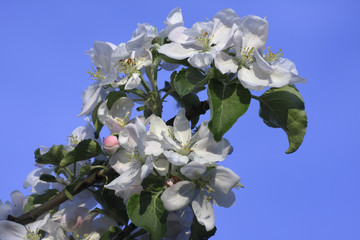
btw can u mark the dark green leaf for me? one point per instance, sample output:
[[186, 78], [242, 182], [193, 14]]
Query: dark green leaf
[[186, 101], [189, 80], [96, 122], [174, 61], [53, 156], [111, 233], [39, 199], [284, 108], [198, 231], [227, 103], [47, 177], [112, 205], [68, 194], [147, 112], [147, 211], [152, 183], [86, 149]]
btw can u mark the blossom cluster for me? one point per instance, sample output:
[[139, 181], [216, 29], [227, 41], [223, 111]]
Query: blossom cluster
[[176, 162]]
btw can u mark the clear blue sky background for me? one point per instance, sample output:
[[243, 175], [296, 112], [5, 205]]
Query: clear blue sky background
[[310, 194]]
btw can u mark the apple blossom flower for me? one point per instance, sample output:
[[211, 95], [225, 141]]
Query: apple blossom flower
[[201, 43], [117, 116], [212, 187], [180, 145], [105, 73], [10, 230], [254, 70], [134, 161], [14, 208], [130, 63]]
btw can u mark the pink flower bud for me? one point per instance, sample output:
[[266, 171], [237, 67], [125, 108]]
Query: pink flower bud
[[111, 144]]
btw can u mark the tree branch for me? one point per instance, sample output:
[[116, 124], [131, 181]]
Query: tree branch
[[195, 111], [57, 200]]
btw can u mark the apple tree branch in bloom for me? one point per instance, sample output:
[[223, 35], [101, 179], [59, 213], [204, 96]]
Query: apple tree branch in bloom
[[147, 178]]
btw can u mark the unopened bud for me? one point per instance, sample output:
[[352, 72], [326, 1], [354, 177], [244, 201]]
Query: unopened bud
[[111, 144]]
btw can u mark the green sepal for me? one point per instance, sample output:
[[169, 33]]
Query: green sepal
[[198, 231], [86, 149], [189, 80], [147, 211], [39, 199], [47, 177], [284, 108], [55, 154], [227, 103]]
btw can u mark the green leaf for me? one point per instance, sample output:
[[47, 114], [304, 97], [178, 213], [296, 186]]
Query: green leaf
[[147, 211], [174, 61], [284, 108], [227, 103], [189, 80], [39, 199], [186, 101], [53, 156], [69, 189], [84, 150], [113, 96], [152, 183], [96, 122], [68, 194], [111, 233], [47, 177], [113, 206], [198, 231]]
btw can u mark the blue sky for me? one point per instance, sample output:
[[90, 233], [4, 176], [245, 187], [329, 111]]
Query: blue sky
[[310, 194]]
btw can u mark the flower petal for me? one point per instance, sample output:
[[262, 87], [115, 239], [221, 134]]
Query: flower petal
[[177, 51], [253, 79], [12, 231], [91, 96], [178, 196], [223, 199], [107, 119], [193, 170], [203, 211], [225, 63], [222, 179], [182, 130], [176, 158], [201, 60]]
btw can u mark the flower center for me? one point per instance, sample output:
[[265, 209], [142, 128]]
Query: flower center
[[83, 237], [245, 56], [186, 149], [135, 156], [32, 235], [96, 74], [204, 40], [128, 66], [74, 140], [271, 57], [121, 121]]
